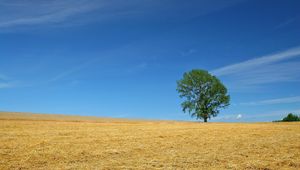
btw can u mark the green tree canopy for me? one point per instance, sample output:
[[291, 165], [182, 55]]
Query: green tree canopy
[[290, 118], [204, 94]]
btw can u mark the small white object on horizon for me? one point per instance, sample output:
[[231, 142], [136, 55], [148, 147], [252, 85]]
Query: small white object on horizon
[[239, 116]]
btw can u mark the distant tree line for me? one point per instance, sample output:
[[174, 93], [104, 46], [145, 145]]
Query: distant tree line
[[289, 118]]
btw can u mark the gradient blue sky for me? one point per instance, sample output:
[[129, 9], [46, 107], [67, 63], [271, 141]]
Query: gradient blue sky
[[122, 58]]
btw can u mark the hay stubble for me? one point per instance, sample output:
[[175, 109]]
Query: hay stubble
[[37, 144]]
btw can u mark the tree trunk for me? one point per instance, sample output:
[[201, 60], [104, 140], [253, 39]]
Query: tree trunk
[[205, 117]]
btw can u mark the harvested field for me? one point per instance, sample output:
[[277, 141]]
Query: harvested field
[[30, 141]]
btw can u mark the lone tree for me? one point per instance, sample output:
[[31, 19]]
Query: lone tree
[[204, 94]]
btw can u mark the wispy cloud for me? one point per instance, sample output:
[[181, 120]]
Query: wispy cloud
[[257, 62], [279, 67], [276, 113], [188, 52], [267, 116], [228, 118], [3, 77], [24, 13], [286, 23], [295, 99], [73, 70], [6, 85], [5, 82], [136, 68], [281, 72], [16, 13], [116, 70], [231, 117]]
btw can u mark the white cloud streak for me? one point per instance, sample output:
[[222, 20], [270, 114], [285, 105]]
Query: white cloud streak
[[286, 100], [18, 13], [239, 116], [257, 62], [3, 77], [4, 82], [281, 72], [75, 69], [6, 85], [279, 67], [267, 116], [117, 70], [286, 23], [25, 13]]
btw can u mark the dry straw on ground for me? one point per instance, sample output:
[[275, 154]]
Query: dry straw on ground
[[30, 141]]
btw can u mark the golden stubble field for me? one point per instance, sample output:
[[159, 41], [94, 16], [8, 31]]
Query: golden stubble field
[[32, 141]]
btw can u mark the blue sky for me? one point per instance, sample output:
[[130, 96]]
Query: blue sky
[[122, 58]]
